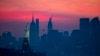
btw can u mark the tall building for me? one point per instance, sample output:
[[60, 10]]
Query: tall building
[[84, 24], [34, 34], [37, 27], [26, 49], [84, 27], [84, 31], [32, 29], [25, 45], [95, 35], [95, 27], [50, 26]]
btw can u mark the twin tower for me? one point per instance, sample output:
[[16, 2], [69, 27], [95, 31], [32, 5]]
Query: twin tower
[[34, 33]]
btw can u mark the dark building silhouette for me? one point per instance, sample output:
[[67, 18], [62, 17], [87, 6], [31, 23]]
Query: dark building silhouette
[[56, 43], [37, 27], [95, 27], [84, 25], [75, 43], [32, 30], [84, 31], [34, 34], [26, 49], [19, 43], [95, 36], [7, 40], [84, 41], [66, 35], [43, 44], [75, 36], [50, 25], [0, 37], [26, 44]]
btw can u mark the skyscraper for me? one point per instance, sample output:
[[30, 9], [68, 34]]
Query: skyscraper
[[84, 31], [50, 26], [84, 24], [32, 28], [26, 49], [95, 27], [95, 35], [84, 27], [37, 27], [25, 45], [34, 34]]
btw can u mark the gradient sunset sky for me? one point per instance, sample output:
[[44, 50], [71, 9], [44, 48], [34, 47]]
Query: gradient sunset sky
[[66, 13]]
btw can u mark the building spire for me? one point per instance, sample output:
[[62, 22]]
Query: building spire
[[32, 17], [50, 19], [50, 26]]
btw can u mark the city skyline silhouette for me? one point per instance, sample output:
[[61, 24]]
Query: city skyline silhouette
[[49, 27], [64, 25], [83, 41]]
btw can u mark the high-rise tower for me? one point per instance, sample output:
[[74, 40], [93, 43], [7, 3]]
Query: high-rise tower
[[25, 45], [32, 29], [50, 26], [34, 34], [84, 24], [37, 27]]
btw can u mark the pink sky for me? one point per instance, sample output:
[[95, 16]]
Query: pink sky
[[66, 13], [21, 9]]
